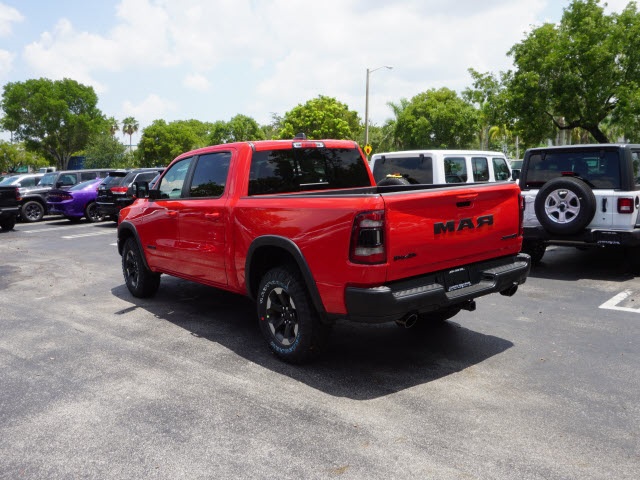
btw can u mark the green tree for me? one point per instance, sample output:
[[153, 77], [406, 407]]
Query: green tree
[[129, 127], [53, 118], [14, 156], [161, 142], [243, 128], [105, 151], [437, 119], [321, 117], [488, 96], [578, 73], [114, 126]]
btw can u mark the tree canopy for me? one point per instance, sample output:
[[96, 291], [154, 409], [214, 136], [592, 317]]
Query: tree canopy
[[161, 142], [436, 119], [105, 151], [321, 117], [54, 118], [578, 73], [13, 156]]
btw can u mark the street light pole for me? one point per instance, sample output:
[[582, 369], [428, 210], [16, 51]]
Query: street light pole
[[366, 103]]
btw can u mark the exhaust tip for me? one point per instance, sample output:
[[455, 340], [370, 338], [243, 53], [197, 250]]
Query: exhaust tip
[[408, 320], [509, 292]]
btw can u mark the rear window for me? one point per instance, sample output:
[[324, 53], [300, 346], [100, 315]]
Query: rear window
[[301, 169], [418, 169], [114, 179], [598, 169]]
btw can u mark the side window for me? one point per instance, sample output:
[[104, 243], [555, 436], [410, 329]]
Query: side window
[[68, 179], [635, 157], [88, 176], [171, 184], [455, 170], [28, 182], [480, 167], [146, 177], [210, 175], [500, 168]]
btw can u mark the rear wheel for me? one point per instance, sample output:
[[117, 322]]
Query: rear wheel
[[8, 223], [32, 211], [140, 281], [287, 318], [91, 213], [535, 250]]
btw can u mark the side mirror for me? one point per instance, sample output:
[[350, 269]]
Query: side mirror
[[515, 175], [58, 184], [140, 189]]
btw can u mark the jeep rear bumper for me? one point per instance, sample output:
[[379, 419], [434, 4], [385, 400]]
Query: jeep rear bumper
[[436, 290], [593, 237]]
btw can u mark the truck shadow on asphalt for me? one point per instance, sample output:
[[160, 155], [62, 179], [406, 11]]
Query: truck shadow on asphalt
[[362, 362], [570, 263]]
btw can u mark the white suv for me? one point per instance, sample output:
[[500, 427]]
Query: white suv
[[439, 167], [581, 195]]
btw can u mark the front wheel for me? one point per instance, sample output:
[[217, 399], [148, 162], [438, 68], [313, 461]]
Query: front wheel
[[32, 211], [287, 318], [140, 281]]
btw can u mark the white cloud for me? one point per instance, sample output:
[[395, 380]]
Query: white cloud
[[6, 60], [8, 16], [149, 109], [196, 82]]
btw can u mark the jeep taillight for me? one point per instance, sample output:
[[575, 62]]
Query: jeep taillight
[[119, 189], [367, 238], [521, 216], [625, 205]]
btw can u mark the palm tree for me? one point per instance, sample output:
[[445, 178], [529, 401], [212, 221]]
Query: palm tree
[[114, 126], [129, 127]]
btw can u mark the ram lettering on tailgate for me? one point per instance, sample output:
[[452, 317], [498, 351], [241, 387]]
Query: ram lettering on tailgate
[[452, 226]]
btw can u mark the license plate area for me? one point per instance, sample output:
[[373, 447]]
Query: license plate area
[[456, 278]]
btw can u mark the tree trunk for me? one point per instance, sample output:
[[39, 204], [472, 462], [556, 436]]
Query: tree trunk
[[597, 134]]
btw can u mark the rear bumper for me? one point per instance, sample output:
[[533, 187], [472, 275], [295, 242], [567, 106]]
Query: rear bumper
[[113, 208], [9, 211], [601, 238], [428, 293]]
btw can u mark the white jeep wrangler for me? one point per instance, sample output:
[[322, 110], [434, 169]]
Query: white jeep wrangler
[[583, 196]]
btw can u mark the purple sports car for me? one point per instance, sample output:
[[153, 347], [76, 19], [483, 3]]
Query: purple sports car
[[77, 202]]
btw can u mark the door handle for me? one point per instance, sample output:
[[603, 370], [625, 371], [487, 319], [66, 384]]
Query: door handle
[[212, 216]]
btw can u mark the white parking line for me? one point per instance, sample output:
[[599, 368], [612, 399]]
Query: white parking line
[[613, 303], [49, 229], [92, 234]]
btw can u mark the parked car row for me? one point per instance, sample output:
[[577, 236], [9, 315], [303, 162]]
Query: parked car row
[[94, 194]]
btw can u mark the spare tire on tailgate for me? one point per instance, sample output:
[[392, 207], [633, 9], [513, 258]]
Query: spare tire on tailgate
[[565, 205]]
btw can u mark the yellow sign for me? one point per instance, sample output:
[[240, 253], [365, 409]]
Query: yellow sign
[[368, 149]]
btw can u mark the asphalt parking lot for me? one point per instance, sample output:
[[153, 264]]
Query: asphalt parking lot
[[98, 384]]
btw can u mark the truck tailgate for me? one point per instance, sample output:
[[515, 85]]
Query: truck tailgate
[[436, 229]]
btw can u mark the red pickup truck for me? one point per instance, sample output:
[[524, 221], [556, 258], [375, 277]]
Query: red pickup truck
[[301, 227]]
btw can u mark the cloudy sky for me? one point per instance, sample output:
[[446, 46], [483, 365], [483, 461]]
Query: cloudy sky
[[212, 59]]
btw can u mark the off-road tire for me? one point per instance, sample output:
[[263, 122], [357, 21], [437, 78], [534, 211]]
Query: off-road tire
[[140, 281], [565, 205], [287, 317]]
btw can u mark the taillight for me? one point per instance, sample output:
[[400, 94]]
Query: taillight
[[521, 217], [367, 238], [625, 205], [119, 189]]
